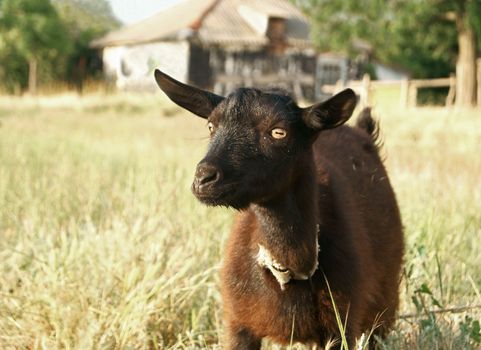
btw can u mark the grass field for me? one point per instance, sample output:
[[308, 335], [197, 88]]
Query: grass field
[[102, 245]]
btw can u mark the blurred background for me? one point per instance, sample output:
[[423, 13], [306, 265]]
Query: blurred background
[[102, 244], [428, 49]]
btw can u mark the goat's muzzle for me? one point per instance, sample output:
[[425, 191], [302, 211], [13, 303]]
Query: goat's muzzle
[[206, 176]]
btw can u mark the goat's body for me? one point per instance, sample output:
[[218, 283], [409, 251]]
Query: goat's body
[[360, 239], [302, 181]]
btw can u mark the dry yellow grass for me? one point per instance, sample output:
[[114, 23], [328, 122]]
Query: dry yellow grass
[[104, 247]]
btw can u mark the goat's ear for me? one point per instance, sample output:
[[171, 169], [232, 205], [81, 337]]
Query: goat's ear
[[332, 112], [198, 101]]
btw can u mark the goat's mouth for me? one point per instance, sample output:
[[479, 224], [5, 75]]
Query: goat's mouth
[[220, 194]]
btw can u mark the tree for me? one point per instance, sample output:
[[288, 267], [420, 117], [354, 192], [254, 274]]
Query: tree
[[31, 32], [85, 20], [466, 15], [48, 40], [94, 16], [430, 38]]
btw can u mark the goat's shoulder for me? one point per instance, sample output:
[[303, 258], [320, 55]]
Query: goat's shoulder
[[347, 148], [345, 139]]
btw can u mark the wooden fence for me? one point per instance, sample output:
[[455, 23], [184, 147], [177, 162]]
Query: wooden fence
[[408, 89]]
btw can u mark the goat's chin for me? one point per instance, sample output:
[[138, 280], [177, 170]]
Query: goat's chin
[[233, 205], [223, 202], [219, 198]]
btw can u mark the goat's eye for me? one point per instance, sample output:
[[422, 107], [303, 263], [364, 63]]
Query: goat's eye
[[211, 127], [278, 133]]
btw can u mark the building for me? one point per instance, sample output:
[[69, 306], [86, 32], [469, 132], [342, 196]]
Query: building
[[217, 45]]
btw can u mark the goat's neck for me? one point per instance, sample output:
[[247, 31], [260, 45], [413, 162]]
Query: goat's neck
[[288, 224]]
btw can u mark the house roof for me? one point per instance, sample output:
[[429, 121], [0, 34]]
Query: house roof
[[214, 21]]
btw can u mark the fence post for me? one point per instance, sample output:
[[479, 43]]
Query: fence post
[[296, 85], [413, 95], [452, 90], [404, 100], [478, 61], [366, 87]]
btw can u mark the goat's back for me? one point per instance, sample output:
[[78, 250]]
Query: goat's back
[[360, 220]]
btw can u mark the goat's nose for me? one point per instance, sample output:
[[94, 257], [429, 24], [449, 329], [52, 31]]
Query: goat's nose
[[206, 174]]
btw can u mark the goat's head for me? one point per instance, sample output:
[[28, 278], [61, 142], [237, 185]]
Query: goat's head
[[259, 140]]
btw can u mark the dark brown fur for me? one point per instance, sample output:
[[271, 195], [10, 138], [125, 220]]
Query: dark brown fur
[[361, 252], [328, 182]]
